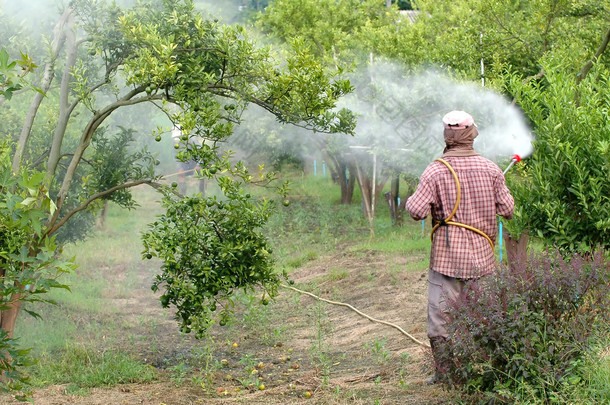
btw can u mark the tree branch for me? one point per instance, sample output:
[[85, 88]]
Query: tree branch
[[106, 80], [40, 158], [94, 197], [225, 90], [547, 28], [86, 137], [511, 34], [587, 67]]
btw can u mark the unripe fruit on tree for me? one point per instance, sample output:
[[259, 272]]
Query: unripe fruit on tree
[[148, 256], [176, 146], [286, 203], [184, 137], [174, 184], [158, 138]]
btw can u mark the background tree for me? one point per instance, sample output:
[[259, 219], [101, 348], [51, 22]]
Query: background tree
[[333, 31]]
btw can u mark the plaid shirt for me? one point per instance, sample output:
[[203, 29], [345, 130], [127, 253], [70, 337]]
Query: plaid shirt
[[459, 252]]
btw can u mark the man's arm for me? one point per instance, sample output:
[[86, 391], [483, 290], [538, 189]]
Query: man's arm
[[505, 204], [420, 203]]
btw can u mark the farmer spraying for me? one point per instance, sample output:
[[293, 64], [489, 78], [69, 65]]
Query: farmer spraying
[[464, 192]]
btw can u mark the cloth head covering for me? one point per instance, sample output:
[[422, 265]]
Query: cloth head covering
[[460, 131]]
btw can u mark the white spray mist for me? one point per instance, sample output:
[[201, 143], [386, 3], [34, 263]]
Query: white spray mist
[[403, 113]]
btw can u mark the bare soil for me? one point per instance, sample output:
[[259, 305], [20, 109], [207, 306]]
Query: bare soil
[[302, 350]]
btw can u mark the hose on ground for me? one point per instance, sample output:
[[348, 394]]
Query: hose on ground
[[401, 330]]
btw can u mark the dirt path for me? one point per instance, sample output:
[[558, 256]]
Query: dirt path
[[302, 351]]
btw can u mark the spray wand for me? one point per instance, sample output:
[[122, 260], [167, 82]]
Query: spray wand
[[515, 158]]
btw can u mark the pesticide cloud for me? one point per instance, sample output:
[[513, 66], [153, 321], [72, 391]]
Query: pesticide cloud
[[403, 113], [400, 121]]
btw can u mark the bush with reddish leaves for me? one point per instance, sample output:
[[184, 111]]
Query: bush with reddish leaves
[[522, 334]]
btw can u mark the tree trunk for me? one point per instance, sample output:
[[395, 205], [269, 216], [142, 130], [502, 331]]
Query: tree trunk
[[395, 193], [392, 204], [64, 103], [338, 168], [366, 193], [47, 79], [516, 250], [8, 317], [338, 164], [102, 220], [347, 182]]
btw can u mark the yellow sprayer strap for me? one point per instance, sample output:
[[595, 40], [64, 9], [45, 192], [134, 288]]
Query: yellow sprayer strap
[[447, 220]]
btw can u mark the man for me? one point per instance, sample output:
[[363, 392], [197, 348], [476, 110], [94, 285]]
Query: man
[[464, 192]]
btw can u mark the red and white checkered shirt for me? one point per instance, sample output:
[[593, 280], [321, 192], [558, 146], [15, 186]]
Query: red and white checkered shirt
[[463, 253]]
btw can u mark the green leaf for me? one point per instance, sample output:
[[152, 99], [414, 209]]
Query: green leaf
[[28, 201]]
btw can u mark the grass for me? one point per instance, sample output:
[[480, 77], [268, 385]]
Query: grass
[[337, 274], [83, 367], [65, 340], [595, 385]]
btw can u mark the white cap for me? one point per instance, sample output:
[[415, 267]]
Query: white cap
[[458, 120]]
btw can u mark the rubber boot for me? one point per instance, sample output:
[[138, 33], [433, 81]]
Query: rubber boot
[[435, 344]]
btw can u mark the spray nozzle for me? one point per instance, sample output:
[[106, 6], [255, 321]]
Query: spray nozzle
[[514, 159]]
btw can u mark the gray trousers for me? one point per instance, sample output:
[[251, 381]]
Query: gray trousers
[[440, 288]]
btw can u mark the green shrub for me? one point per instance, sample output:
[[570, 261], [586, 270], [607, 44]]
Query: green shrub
[[523, 335]]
